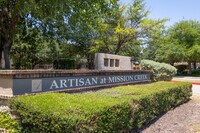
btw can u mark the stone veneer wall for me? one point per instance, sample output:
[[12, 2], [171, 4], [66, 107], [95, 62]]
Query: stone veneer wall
[[124, 62], [6, 87]]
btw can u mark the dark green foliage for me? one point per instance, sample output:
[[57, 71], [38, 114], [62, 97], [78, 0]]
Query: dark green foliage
[[161, 71], [64, 64], [32, 48], [121, 109], [195, 72], [169, 53], [181, 69]]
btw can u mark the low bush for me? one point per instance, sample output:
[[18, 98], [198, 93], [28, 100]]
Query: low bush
[[195, 73], [120, 109], [8, 124], [64, 64], [181, 69], [161, 71]]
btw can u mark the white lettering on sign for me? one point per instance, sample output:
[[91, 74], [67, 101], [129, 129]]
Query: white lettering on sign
[[92, 81], [71, 82], [81, 82], [54, 85], [63, 83], [140, 77], [117, 79]]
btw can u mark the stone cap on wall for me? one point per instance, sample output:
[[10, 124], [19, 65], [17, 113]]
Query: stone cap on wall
[[18, 74]]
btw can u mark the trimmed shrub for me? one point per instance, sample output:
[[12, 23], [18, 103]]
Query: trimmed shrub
[[121, 109], [161, 71], [8, 124]]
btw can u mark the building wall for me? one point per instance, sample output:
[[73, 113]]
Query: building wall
[[123, 61]]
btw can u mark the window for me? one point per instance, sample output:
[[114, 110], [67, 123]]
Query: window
[[112, 62], [116, 63], [106, 62]]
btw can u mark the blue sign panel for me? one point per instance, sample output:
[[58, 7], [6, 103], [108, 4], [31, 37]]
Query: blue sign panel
[[23, 86]]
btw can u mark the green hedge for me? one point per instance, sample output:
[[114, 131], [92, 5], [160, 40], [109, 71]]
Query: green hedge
[[161, 71], [64, 64], [8, 123], [195, 73], [120, 109]]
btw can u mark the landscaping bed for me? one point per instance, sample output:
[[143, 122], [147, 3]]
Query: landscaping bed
[[182, 119], [120, 109]]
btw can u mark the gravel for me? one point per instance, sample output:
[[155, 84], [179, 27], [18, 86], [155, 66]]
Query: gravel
[[182, 119]]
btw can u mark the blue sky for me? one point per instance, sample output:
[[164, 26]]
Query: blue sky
[[175, 10]]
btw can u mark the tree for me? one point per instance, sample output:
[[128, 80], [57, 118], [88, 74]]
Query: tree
[[149, 51], [157, 36], [31, 48], [125, 29], [43, 11], [11, 12], [170, 53], [83, 30], [186, 34]]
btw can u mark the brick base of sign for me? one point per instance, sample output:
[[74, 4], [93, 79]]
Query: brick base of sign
[[20, 82]]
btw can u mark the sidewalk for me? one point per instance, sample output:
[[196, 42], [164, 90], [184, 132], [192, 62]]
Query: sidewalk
[[195, 83], [187, 78], [196, 89]]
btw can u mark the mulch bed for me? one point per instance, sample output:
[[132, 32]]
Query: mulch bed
[[183, 119]]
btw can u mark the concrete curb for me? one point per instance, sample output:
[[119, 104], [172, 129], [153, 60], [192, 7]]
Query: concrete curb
[[194, 83]]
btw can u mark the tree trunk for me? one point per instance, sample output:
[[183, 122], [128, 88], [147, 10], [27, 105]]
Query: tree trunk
[[189, 68], [118, 49], [9, 19], [90, 59], [1, 52], [195, 65], [7, 45], [1, 47]]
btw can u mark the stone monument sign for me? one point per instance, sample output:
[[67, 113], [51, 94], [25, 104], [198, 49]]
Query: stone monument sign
[[20, 82], [112, 62]]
